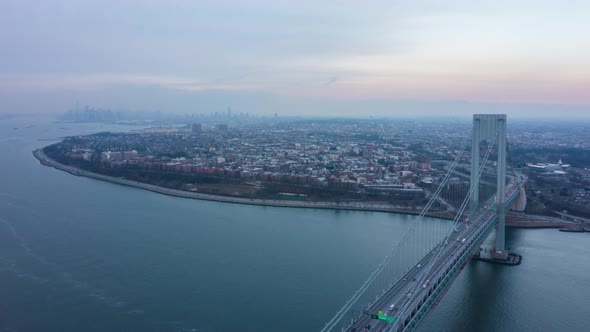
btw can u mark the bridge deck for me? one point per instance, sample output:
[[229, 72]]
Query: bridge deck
[[412, 296]]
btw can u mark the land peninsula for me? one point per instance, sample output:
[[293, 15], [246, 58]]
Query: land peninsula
[[330, 168], [344, 164]]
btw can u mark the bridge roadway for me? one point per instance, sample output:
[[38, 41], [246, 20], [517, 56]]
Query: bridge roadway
[[412, 296]]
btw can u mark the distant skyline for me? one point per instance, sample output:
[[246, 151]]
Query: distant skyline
[[348, 58]]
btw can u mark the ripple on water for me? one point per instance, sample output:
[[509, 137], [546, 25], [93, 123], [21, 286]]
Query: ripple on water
[[61, 277]]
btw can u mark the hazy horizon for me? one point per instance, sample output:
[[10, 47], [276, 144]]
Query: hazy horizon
[[351, 59]]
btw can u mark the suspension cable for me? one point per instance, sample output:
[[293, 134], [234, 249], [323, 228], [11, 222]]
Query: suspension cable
[[367, 283], [455, 223]]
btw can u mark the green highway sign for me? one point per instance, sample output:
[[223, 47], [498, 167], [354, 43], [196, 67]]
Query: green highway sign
[[382, 316], [386, 318]]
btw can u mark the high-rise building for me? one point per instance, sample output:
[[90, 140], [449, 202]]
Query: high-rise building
[[196, 128]]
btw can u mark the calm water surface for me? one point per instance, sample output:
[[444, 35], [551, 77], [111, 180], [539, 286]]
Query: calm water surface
[[82, 255]]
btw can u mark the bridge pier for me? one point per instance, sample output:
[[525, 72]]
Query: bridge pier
[[488, 247], [488, 250]]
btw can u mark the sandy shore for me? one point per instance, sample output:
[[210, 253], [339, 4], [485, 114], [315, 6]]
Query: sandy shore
[[43, 159]]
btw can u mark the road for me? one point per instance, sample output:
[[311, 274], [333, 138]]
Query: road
[[412, 290]]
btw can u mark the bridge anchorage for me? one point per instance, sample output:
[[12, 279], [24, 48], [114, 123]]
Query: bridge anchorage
[[400, 292]]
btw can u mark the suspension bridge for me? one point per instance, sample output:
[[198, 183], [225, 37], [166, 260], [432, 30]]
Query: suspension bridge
[[400, 292]]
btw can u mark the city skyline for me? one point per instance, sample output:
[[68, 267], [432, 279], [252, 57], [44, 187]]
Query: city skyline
[[381, 59]]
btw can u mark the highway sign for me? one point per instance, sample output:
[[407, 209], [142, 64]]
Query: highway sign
[[382, 316]]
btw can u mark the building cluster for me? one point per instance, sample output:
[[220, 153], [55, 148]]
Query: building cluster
[[396, 159], [549, 135], [549, 169], [342, 156]]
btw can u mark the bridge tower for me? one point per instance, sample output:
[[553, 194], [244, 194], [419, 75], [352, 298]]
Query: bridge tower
[[490, 127]]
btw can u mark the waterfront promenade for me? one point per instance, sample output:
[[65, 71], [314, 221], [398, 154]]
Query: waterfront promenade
[[356, 206], [518, 220]]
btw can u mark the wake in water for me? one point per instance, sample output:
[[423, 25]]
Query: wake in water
[[23, 244], [11, 267], [11, 199], [66, 278], [62, 277], [12, 139]]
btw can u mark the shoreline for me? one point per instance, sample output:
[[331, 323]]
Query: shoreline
[[46, 161]]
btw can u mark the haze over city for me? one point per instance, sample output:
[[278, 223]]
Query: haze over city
[[350, 58], [233, 165]]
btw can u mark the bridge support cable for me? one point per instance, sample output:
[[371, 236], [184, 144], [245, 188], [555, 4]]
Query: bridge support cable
[[472, 190], [402, 257], [417, 232], [444, 181], [454, 224], [410, 320]]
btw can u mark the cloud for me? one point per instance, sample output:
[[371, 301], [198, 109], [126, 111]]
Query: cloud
[[331, 81], [97, 81], [529, 52]]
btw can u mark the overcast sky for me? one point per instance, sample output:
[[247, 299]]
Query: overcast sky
[[348, 58]]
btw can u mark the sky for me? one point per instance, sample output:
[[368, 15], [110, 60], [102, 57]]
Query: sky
[[328, 58]]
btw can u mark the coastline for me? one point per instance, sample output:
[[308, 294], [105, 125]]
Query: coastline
[[46, 161]]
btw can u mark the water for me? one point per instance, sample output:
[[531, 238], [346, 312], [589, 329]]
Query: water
[[549, 291], [80, 254]]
